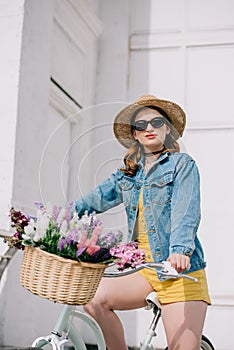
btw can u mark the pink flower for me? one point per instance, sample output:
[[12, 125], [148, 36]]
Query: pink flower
[[93, 249], [128, 255], [96, 232], [83, 237]]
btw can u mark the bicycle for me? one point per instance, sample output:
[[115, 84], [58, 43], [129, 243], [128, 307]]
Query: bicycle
[[65, 331]]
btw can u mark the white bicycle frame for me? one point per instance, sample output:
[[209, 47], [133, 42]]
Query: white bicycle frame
[[65, 330]]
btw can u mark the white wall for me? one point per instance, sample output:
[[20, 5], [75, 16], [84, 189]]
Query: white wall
[[113, 59], [184, 54], [11, 26], [28, 97], [45, 131], [11, 18], [188, 54]]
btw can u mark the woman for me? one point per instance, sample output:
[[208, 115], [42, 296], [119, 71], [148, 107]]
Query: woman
[[160, 190]]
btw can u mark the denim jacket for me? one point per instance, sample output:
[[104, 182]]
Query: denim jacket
[[171, 200]]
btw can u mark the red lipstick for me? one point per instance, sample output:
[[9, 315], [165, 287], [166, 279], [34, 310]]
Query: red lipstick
[[150, 136]]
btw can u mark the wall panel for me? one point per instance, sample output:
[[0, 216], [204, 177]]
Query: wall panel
[[68, 64], [217, 189], [210, 85], [209, 14], [161, 15], [159, 71]]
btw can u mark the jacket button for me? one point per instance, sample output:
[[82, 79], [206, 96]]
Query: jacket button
[[133, 207]]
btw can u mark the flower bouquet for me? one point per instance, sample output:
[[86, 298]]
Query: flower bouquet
[[64, 255]]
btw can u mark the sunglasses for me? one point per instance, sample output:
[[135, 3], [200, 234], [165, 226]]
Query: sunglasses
[[141, 125]]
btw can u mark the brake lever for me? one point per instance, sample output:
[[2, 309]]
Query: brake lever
[[170, 272]]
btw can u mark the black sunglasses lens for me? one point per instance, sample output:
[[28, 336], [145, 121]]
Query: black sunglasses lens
[[141, 125], [157, 122]]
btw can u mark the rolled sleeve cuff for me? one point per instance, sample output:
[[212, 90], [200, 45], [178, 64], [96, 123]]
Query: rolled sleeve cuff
[[181, 250]]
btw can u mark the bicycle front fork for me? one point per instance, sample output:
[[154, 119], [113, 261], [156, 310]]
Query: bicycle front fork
[[53, 340]]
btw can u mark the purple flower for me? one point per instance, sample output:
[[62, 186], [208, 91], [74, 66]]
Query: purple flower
[[80, 250], [109, 239], [102, 253], [18, 220], [39, 205], [71, 205], [61, 244], [68, 216], [56, 211], [17, 235], [72, 236]]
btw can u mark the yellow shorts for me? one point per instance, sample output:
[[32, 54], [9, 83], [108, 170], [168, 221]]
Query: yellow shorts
[[175, 290]]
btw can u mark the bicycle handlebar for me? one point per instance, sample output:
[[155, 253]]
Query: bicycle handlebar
[[163, 269]]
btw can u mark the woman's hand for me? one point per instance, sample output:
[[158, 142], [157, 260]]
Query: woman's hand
[[179, 261]]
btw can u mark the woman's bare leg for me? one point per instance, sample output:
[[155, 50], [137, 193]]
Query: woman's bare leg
[[183, 323], [122, 293]]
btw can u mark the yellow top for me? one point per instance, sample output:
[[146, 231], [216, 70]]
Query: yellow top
[[141, 230]]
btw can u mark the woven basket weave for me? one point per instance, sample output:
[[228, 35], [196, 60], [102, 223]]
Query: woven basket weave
[[58, 279]]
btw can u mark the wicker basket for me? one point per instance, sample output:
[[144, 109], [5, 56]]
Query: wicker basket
[[58, 279]]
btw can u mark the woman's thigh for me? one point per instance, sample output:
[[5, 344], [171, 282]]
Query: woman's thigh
[[183, 323], [123, 293]]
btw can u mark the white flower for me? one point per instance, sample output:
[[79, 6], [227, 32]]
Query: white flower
[[29, 230], [85, 218], [61, 216], [75, 217], [75, 222], [41, 225], [49, 209], [63, 228]]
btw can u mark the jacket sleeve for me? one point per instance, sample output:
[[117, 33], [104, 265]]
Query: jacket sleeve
[[105, 196], [185, 209]]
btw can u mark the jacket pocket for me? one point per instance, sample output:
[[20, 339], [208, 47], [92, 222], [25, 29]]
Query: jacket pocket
[[161, 189], [127, 190]]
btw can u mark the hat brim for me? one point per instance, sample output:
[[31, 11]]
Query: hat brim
[[122, 127]]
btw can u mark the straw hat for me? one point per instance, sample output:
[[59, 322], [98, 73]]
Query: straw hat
[[122, 127]]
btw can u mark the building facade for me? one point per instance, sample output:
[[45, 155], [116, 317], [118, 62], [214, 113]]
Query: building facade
[[67, 67]]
